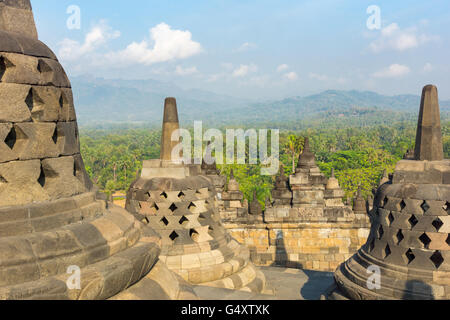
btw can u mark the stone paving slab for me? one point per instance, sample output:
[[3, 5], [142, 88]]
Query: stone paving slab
[[282, 284]]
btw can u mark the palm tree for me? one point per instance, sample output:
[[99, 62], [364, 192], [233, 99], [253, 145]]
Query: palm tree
[[294, 147]]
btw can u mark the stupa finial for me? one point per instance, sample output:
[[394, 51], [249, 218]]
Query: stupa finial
[[429, 135]]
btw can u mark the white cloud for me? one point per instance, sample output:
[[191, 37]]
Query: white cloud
[[316, 76], [292, 76], [167, 44], [244, 70], [393, 37], [185, 71], [428, 67], [245, 46], [282, 67], [393, 71], [95, 38]]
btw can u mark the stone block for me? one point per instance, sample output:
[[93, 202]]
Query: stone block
[[67, 138], [60, 180], [35, 140], [21, 184], [13, 102]]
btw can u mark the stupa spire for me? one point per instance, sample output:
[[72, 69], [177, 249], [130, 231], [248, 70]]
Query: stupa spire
[[429, 135], [170, 124], [307, 158], [16, 17]]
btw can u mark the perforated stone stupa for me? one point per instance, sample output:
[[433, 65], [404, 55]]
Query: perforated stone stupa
[[50, 217], [178, 202], [409, 241]]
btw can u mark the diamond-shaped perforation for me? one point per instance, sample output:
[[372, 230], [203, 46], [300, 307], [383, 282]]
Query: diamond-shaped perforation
[[390, 218], [41, 179], [62, 100], [437, 259], [165, 221], [4, 65], [437, 224], [399, 236], [163, 195], [43, 67], [29, 100], [409, 256], [425, 240], [173, 207], [402, 205], [387, 251], [55, 135], [425, 206], [183, 220], [194, 235], [173, 236], [446, 207], [181, 195], [192, 206], [201, 217], [413, 221], [11, 138], [155, 206], [448, 240], [380, 232]]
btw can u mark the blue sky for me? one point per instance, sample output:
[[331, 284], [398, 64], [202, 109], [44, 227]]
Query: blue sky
[[255, 49]]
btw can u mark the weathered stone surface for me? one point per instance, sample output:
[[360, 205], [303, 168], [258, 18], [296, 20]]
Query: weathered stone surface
[[35, 140], [67, 138], [13, 103], [16, 17], [408, 240], [170, 125], [20, 183], [7, 140], [60, 180], [48, 218], [429, 135]]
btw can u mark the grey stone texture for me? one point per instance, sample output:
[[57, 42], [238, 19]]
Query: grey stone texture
[[429, 135], [50, 214], [409, 238], [178, 202]]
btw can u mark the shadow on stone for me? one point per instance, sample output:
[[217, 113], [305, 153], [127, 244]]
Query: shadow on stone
[[417, 290], [316, 285], [281, 255]]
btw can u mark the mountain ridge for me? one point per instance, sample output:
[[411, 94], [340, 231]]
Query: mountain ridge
[[140, 101]]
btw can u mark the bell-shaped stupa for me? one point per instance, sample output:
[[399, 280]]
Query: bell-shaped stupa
[[407, 254], [57, 239], [178, 202]]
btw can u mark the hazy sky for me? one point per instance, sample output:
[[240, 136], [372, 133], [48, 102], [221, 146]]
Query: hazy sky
[[255, 48]]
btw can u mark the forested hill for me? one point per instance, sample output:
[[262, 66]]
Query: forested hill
[[122, 101]]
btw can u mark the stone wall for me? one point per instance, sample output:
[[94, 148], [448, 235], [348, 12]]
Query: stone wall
[[319, 246]]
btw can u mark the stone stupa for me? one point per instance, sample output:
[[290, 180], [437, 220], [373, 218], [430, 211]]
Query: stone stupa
[[409, 241], [52, 220], [177, 201]]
